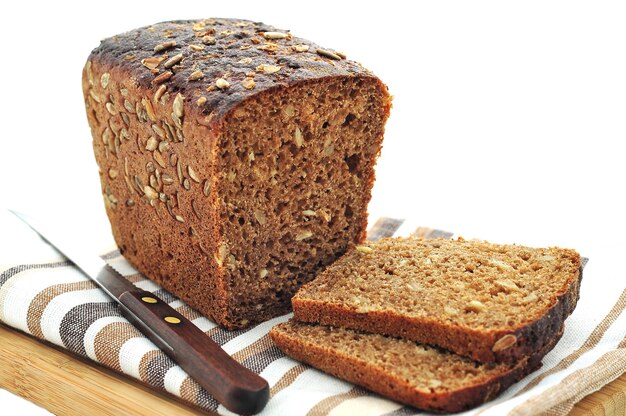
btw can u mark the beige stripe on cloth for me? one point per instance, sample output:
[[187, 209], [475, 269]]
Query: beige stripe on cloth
[[188, 312], [212, 331], [112, 336], [329, 403], [287, 379], [135, 278], [40, 302], [371, 405], [257, 347], [384, 227], [145, 362], [592, 341], [425, 232], [189, 390], [562, 397], [109, 341]]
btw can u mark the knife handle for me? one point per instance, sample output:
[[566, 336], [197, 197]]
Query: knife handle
[[234, 386]]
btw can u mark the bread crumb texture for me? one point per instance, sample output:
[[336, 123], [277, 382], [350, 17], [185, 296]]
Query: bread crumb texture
[[491, 302], [421, 376]]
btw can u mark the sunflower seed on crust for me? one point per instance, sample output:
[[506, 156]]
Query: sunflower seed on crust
[[196, 75], [275, 35], [159, 93], [267, 68], [177, 106], [328, 54], [161, 78], [222, 84], [152, 62], [164, 46], [173, 60]]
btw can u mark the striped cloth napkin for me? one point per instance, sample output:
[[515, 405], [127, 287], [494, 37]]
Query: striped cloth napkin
[[42, 294]]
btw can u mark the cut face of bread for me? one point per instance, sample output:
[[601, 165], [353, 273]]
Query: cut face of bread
[[293, 177], [417, 375], [485, 301]]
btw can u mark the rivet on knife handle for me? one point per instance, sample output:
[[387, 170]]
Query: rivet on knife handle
[[234, 386]]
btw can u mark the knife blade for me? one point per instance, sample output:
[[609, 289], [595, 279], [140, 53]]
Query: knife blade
[[237, 388]]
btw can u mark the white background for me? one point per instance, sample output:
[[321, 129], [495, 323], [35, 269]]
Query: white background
[[509, 118]]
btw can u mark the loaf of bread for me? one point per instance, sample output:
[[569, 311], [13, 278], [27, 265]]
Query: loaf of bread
[[490, 302], [425, 377], [236, 160]]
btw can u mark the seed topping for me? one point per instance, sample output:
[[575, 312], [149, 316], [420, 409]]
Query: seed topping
[[222, 84], [196, 75], [505, 342], [267, 68], [161, 78], [159, 93], [275, 35], [328, 54], [260, 216], [104, 79], [364, 249], [173, 60], [304, 235], [297, 137], [192, 174], [152, 144], [208, 40], [476, 306], [164, 46], [152, 62], [178, 105], [150, 192], [248, 83]]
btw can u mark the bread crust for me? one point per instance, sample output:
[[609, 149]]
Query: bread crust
[[238, 47], [176, 239], [374, 378], [476, 344]]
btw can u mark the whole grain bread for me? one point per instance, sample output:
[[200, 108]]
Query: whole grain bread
[[421, 376], [236, 160], [490, 302]]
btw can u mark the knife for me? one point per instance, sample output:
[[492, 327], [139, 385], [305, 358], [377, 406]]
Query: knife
[[234, 386]]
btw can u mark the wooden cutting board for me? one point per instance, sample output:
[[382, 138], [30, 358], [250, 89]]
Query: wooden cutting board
[[66, 384]]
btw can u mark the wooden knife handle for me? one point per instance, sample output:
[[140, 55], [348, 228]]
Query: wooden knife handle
[[234, 386]]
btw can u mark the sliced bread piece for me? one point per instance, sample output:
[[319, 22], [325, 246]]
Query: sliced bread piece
[[421, 376], [493, 303]]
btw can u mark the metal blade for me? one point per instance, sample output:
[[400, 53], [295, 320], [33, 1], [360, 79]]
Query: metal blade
[[112, 282]]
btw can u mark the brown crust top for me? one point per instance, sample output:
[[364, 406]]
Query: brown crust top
[[223, 60]]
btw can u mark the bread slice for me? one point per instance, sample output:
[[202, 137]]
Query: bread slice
[[490, 302], [236, 160], [425, 377]]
